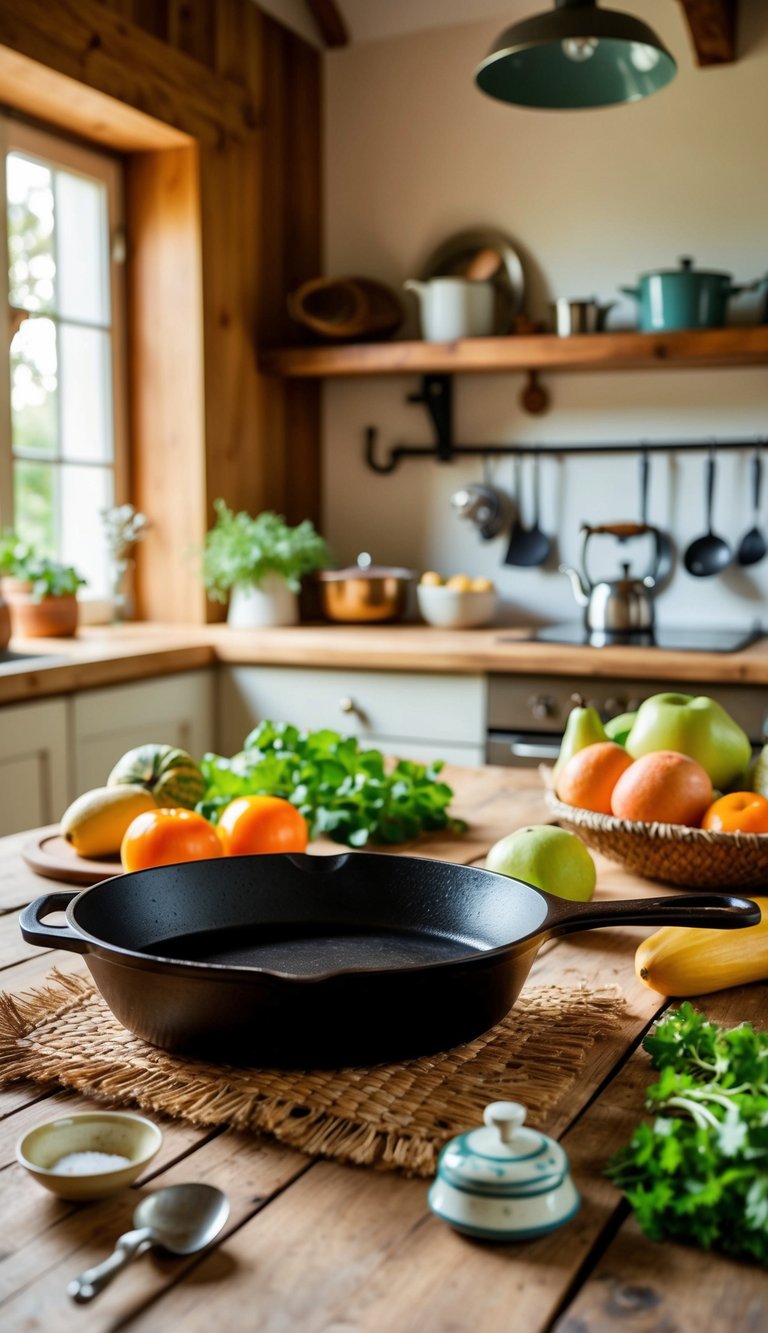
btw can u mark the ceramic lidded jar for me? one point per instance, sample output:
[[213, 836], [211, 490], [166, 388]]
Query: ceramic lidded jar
[[504, 1181]]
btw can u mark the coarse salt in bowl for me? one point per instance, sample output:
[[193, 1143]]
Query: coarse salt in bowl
[[90, 1154]]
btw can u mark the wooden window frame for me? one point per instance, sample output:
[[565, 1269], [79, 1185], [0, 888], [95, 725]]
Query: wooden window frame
[[49, 146]]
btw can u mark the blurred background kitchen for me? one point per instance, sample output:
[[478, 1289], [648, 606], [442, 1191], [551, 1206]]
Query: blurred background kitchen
[[590, 199]]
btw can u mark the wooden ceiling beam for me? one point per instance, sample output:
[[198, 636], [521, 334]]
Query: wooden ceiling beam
[[712, 24], [89, 43], [330, 22]]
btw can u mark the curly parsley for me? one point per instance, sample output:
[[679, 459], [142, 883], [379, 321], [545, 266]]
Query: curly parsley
[[699, 1172]]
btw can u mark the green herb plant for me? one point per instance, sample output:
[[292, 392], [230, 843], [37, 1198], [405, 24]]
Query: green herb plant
[[48, 578], [350, 795], [699, 1172], [241, 549]]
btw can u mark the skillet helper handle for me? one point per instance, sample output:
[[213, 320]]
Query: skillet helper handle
[[55, 937], [129, 1246], [717, 911]]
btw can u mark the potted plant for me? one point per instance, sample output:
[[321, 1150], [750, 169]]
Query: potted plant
[[40, 592], [259, 562]]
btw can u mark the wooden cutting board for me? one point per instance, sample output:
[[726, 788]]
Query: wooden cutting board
[[48, 854]]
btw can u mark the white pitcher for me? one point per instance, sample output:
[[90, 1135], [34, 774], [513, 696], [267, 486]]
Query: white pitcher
[[454, 308]]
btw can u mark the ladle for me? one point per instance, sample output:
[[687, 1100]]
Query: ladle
[[527, 546], [710, 553], [181, 1218], [753, 546]]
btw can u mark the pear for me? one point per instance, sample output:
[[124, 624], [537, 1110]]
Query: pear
[[583, 728]]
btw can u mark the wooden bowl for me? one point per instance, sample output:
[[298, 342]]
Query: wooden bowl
[[348, 308]]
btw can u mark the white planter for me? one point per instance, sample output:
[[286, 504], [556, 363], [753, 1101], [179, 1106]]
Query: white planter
[[271, 603]]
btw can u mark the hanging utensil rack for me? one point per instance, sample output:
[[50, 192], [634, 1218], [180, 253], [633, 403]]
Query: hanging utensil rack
[[436, 395]]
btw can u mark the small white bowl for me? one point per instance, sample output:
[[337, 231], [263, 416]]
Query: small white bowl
[[118, 1133], [451, 608]]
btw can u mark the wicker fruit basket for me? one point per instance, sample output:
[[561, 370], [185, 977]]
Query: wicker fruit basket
[[671, 853]]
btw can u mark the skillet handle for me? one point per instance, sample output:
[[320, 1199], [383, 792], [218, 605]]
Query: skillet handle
[[57, 937], [721, 911]]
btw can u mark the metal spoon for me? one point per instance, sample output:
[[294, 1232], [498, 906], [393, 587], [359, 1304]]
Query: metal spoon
[[710, 553], [753, 546], [181, 1218], [665, 547], [527, 546]]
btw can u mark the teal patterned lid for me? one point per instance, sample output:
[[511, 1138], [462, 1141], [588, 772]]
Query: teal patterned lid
[[503, 1157]]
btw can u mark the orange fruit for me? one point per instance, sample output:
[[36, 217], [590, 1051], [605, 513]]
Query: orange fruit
[[165, 837], [589, 777], [738, 812], [257, 824], [664, 787]]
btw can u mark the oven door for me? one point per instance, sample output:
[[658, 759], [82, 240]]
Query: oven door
[[522, 749]]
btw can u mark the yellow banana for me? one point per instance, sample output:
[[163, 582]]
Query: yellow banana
[[94, 824]]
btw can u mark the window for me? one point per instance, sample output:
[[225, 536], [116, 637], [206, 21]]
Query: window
[[62, 401]]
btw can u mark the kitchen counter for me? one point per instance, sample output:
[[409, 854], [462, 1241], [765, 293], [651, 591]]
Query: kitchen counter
[[316, 1245], [108, 655]]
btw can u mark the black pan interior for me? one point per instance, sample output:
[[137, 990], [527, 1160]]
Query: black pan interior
[[306, 915]]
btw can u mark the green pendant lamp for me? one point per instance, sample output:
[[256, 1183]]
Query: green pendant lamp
[[576, 55]]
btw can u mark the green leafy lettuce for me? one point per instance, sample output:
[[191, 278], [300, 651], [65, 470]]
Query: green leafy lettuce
[[699, 1172], [350, 795]]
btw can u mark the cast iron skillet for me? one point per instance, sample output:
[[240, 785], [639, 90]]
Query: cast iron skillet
[[326, 960]]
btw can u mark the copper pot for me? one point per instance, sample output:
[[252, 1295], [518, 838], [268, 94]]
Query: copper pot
[[364, 593]]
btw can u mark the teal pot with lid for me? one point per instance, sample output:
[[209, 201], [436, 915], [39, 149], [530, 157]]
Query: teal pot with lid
[[683, 298]]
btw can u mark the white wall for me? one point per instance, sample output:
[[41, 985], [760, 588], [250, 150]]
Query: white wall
[[592, 199]]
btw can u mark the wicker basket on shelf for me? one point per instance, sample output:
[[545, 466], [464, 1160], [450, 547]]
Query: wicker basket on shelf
[[671, 853]]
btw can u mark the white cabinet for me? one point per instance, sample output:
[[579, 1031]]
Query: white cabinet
[[175, 710], [34, 759], [411, 714]]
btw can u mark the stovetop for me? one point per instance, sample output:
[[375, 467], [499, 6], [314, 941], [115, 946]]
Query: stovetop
[[682, 638]]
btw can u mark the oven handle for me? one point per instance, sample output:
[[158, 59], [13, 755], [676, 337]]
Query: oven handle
[[534, 749], [504, 747]]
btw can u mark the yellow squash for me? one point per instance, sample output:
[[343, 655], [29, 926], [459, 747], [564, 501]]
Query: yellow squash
[[679, 960]]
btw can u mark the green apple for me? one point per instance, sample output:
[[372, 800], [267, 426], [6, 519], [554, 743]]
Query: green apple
[[583, 728], [696, 726], [618, 728], [552, 859]]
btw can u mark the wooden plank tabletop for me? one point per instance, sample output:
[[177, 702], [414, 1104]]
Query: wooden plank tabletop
[[314, 1245]]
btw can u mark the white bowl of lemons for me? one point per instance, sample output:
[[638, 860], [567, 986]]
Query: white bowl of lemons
[[458, 602]]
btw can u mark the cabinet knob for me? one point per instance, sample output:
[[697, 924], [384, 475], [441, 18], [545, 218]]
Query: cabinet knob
[[614, 707], [347, 705], [542, 706]]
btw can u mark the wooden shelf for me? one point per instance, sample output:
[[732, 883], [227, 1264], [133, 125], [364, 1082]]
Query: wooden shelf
[[735, 346]]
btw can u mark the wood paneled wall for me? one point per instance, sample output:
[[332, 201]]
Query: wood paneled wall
[[218, 110]]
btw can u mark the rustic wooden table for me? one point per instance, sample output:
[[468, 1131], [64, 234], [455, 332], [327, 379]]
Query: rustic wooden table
[[313, 1245]]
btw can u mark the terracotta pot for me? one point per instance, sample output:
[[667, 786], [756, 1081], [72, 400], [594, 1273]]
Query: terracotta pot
[[51, 617]]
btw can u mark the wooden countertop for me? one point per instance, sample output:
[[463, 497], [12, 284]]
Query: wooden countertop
[[315, 1245], [108, 655]]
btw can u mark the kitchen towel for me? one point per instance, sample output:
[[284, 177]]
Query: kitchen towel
[[389, 1116]]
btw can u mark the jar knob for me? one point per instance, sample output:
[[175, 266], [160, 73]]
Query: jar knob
[[364, 560], [506, 1117]]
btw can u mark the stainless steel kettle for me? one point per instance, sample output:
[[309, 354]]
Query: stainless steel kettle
[[620, 606]]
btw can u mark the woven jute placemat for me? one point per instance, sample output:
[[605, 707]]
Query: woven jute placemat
[[393, 1116]]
